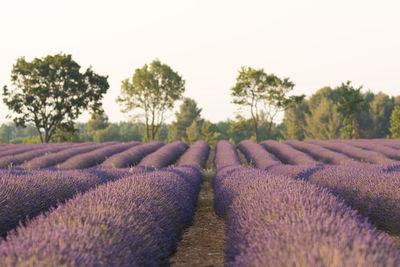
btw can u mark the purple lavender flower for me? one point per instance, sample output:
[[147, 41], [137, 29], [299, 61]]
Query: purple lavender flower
[[196, 155], [164, 156], [135, 221], [354, 152], [132, 156], [95, 157], [257, 155]]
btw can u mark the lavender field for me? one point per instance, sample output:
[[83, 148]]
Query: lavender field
[[292, 203]]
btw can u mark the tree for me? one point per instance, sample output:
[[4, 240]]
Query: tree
[[324, 121], [6, 133], [350, 103], [98, 121], [51, 93], [131, 131], [110, 133], [380, 110], [259, 91], [395, 122], [193, 133], [153, 89], [209, 133], [294, 121], [188, 113]]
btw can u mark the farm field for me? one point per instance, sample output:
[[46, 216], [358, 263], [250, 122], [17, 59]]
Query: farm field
[[292, 203]]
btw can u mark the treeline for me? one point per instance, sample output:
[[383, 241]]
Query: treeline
[[47, 95], [188, 125], [319, 116]]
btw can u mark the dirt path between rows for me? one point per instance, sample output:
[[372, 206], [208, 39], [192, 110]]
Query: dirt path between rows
[[202, 243]]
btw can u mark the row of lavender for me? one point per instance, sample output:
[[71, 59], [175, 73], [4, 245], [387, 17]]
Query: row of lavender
[[26, 193], [372, 189], [276, 220], [134, 220], [77, 156]]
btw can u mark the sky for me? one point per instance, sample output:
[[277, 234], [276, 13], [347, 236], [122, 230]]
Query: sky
[[315, 43]]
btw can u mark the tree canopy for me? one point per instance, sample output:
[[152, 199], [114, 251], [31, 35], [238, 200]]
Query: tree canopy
[[153, 89], [395, 122], [350, 103], [319, 117], [264, 94], [188, 113], [51, 92]]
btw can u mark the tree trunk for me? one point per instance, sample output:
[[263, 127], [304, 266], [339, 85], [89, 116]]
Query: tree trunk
[[46, 136], [269, 129], [255, 124], [40, 134]]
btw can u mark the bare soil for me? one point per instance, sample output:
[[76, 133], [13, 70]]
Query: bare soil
[[203, 243]]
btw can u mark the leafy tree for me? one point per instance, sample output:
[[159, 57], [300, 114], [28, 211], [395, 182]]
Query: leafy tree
[[350, 103], [240, 129], [98, 121], [192, 132], [323, 122], [209, 133], [365, 119], [257, 90], [153, 89], [51, 93], [6, 133], [380, 110], [294, 121], [395, 122], [131, 131], [111, 133], [162, 134], [67, 135], [188, 113]]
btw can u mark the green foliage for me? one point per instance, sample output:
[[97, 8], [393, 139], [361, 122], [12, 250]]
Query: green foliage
[[68, 135], [350, 103], [130, 131], [323, 122], [154, 90], [10, 133], [262, 92], [51, 93], [98, 121], [209, 134], [111, 133], [193, 133], [294, 121], [188, 113], [381, 108], [395, 122], [319, 116]]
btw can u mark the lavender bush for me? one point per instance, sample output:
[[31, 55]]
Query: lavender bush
[[287, 154], [95, 157], [135, 221], [372, 191], [196, 155], [132, 156], [278, 221], [225, 155], [26, 156], [164, 156], [385, 150], [25, 194], [61, 156], [257, 155], [320, 153], [17, 149], [354, 152]]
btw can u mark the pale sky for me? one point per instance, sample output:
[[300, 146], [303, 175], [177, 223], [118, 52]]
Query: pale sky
[[315, 43]]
